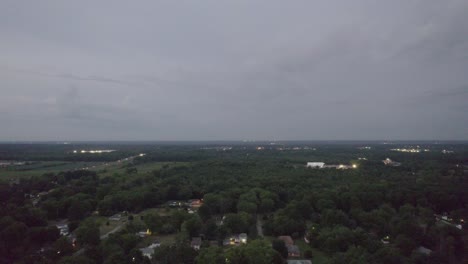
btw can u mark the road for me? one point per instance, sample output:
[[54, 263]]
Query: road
[[112, 163], [259, 226], [117, 228]]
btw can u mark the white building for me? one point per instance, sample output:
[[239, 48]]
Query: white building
[[315, 165], [390, 162], [196, 243], [63, 228], [115, 217]]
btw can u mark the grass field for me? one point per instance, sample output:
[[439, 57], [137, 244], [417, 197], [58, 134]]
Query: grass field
[[103, 169], [41, 167]]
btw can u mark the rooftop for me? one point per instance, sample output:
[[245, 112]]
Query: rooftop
[[287, 240], [299, 261]]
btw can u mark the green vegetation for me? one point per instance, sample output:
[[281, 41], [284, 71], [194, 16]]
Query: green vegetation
[[370, 214]]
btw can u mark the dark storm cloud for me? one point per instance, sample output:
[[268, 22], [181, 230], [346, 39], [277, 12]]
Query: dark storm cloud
[[233, 70]]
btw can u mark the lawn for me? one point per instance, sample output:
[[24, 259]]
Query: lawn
[[102, 222], [163, 239], [161, 211]]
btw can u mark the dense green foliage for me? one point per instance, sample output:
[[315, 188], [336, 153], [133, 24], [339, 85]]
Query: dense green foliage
[[343, 213]]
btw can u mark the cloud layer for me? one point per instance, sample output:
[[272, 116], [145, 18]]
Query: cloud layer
[[211, 70]]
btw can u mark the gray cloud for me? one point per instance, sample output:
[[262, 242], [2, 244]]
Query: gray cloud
[[233, 70], [95, 79], [461, 92], [73, 77]]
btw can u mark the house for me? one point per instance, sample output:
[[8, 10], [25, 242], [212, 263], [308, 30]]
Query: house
[[226, 242], [176, 204], [387, 161], [196, 243], [315, 165], [444, 219], [155, 244], [385, 240], [346, 167], [63, 228], [424, 250], [147, 252], [235, 239], [390, 162], [115, 217], [195, 203], [287, 240], [144, 233], [299, 261], [293, 251], [243, 238]]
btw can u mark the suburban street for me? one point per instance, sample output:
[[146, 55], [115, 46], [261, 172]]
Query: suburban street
[[259, 226]]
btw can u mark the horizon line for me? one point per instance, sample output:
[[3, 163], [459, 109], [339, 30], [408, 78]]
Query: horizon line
[[236, 140]]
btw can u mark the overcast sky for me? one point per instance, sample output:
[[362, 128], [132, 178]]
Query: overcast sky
[[228, 70]]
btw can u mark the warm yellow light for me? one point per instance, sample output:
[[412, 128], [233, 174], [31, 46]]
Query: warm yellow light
[[354, 166]]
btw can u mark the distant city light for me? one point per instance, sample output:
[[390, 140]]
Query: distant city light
[[98, 151], [366, 147], [410, 150]]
